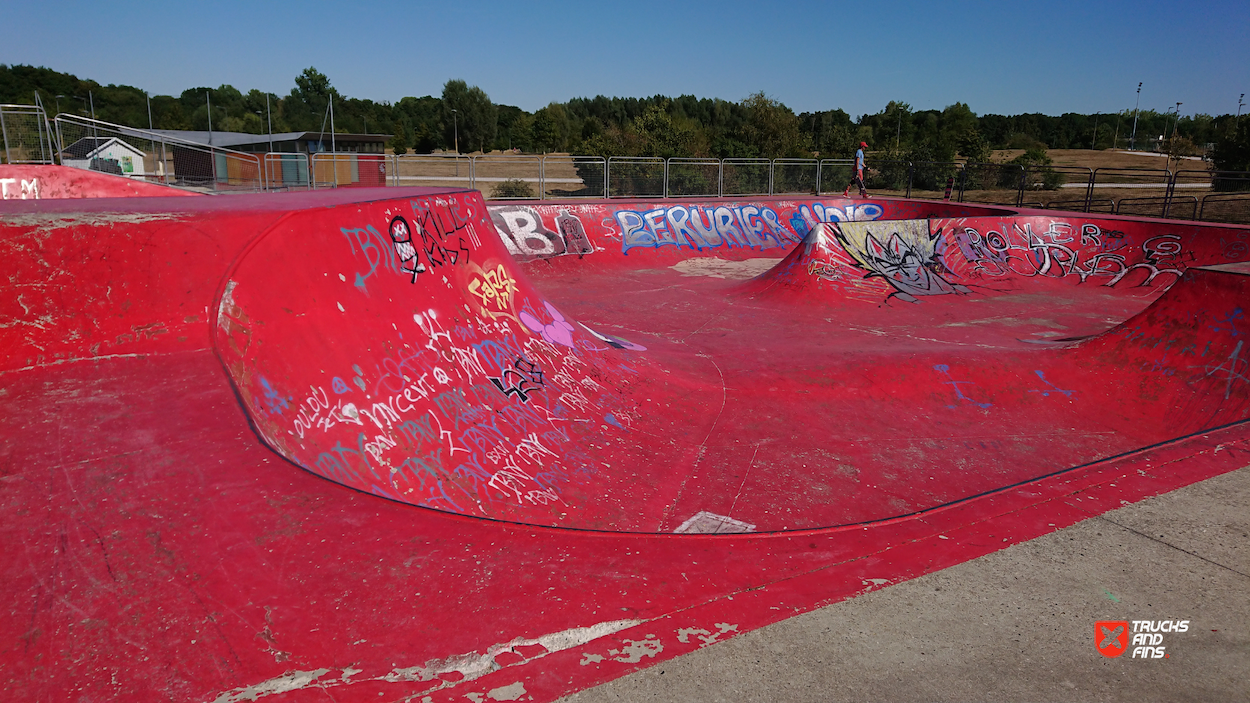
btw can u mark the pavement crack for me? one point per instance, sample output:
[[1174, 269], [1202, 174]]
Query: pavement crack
[[1173, 546]]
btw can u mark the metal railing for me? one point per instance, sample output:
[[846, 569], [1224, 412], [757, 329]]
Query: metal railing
[[342, 169], [25, 136], [694, 177], [145, 155], [502, 177], [637, 176], [445, 170], [287, 171]]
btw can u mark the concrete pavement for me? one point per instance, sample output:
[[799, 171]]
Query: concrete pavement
[[1015, 625]]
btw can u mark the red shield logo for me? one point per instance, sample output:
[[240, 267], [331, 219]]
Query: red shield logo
[[1111, 637]]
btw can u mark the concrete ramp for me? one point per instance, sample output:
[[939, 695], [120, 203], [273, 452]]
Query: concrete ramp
[[19, 182], [608, 365], [399, 350]]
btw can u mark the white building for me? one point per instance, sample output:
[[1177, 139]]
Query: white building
[[105, 154]]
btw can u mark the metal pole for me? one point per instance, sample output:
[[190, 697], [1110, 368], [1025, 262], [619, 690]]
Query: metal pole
[[149, 98], [5, 134], [1177, 126], [1093, 142], [1132, 141], [208, 101], [333, 147], [94, 132], [269, 121], [1240, 102]]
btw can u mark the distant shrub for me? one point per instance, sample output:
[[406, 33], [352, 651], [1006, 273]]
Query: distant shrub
[[512, 188]]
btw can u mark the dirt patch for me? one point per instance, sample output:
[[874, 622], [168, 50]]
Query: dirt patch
[[720, 268]]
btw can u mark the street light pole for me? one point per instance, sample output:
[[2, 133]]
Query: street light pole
[[1132, 141], [269, 121], [1177, 126], [1240, 102], [455, 124]]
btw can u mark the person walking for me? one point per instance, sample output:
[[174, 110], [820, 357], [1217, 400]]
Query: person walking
[[858, 178]]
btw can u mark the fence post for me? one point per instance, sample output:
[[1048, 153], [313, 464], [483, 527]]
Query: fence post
[[911, 171], [1089, 191], [4, 132], [772, 172], [666, 177], [1167, 196], [720, 178], [1024, 179]]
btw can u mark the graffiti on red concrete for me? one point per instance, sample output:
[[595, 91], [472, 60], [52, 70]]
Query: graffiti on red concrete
[[544, 231], [474, 404], [19, 188], [807, 216], [903, 253], [702, 228], [1017, 249], [522, 231]]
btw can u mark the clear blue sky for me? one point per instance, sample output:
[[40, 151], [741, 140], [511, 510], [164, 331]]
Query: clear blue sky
[[999, 57]]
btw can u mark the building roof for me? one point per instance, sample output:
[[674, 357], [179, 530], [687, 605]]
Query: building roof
[[232, 139], [88, 146]]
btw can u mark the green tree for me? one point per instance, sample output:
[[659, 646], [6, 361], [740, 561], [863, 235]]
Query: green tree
[[772, 129], [399, 142], [551, 129], [1232, 153], [658, 134], [468, 116]]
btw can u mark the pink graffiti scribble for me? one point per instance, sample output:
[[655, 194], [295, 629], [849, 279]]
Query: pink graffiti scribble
[[558, 332]]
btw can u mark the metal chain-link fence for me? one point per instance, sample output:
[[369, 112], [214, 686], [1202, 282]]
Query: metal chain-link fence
[[24, 135]]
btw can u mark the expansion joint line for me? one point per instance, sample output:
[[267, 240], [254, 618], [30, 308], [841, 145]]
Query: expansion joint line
[[1172, 546]]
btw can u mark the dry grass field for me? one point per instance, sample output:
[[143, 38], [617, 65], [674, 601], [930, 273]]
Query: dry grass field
[[1131, 183]]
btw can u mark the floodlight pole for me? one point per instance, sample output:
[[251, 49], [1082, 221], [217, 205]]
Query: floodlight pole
[[1177, 126], [1132, 141], [269, 121], [1240, 102], [149, 99], [208, 101]]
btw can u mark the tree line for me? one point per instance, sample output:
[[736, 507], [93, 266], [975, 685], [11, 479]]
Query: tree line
[[463, 117]]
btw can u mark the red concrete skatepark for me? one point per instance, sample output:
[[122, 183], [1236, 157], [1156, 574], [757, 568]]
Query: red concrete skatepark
[[395, 443]]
